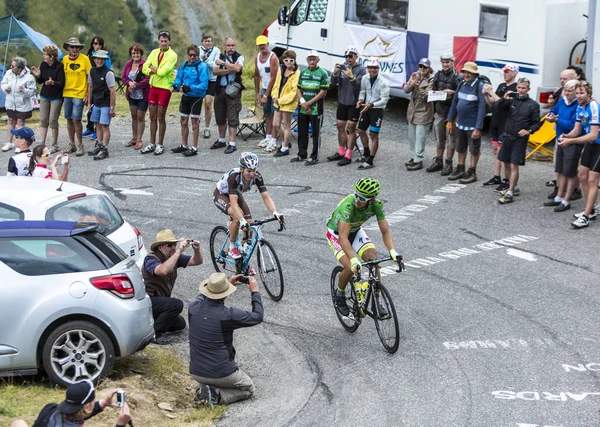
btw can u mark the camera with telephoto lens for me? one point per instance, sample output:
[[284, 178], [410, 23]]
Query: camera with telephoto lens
[[186, 89], [121, 395]]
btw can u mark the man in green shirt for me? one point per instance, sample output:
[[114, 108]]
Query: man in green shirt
[[312, 87]]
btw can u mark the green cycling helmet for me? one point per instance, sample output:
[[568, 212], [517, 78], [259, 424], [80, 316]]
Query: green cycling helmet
[[368, 186]]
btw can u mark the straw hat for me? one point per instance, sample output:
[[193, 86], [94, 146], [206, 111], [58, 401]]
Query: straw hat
[[216, 286], [471, 67], [73, 41], [162, 237]]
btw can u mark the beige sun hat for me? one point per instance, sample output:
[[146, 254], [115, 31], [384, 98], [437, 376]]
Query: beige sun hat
[[216, 286], [162, 237], [471, 67], [73, 41]]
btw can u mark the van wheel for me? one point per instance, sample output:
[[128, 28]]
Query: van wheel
[[77, 351]]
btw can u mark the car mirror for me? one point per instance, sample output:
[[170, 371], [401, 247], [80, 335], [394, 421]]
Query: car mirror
[[282, 16]]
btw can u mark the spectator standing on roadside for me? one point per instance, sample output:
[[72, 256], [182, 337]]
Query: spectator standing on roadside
[[420, 112], [77, 68], [19, 85], [19, 163], [312, 88], [102, 93], [265, 72], [228, 96], [468, 108], [285, 98], [522, 120], [498, 122], [212, 354], [372, 100], [51, 75], [209, 55], [192, 81], [96, 45], [137, 87], [565, 75], [347, 77], [160, 66], [445, 80], [159, 273]]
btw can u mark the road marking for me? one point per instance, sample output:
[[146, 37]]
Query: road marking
[[509, 343], [134, 192], [580, 367], [562, 396], [521, 254], [535, 425]]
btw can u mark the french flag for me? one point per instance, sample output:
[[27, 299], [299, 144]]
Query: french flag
[[421, 45]]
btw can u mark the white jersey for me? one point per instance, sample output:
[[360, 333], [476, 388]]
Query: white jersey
[[264, 69], [18, 164], [41, 171]]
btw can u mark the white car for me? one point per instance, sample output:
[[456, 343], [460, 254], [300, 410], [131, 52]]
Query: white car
[[26, 198]]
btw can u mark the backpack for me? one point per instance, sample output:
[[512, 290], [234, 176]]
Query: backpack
[[45, 414], [483, 80]]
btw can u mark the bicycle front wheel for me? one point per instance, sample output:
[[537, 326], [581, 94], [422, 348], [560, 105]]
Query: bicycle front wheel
[[219, 245], [577, 56], [269, 270], [386, 320], [350, 322]]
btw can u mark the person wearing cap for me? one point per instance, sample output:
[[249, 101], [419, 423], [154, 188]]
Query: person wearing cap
[[79, 405], [77, 67], [468, 109], [312, 88], [445, 80], [19, 85], [209, 54], [265, 72], [347, 77], [160, 273], [228, 68], [103, 95], [498, 122], [419, 113], [212, 354], [19, 163], [160, 66], [96, 44]]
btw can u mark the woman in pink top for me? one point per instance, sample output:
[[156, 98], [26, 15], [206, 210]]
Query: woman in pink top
[[40, 166]]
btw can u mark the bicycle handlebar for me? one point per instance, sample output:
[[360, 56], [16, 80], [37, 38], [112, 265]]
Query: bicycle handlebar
[[264, 221], [376, 261]]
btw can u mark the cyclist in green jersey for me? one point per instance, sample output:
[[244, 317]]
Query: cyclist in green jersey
[[349, 241]]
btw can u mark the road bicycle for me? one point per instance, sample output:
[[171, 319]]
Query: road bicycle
[[268, 265], [385, 323], [578, 52]]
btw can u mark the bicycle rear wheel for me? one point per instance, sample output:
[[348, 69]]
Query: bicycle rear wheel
[[577, 56], [269, 270], [387, 325], [219, 244], [352, 321]]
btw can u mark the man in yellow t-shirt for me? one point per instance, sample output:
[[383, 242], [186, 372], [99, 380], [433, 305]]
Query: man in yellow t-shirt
[[77, 68]]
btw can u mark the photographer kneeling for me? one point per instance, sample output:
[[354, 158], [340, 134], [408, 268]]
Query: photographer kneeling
[[212, 355]]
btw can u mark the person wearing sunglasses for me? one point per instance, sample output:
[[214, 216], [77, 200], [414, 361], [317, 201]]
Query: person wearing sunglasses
[[192, 81], [42, 166], [265, 72], [348, 239], [285, 98], [96, 44], [160, 273]]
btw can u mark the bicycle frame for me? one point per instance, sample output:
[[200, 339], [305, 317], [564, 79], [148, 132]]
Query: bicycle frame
[[371, 279]]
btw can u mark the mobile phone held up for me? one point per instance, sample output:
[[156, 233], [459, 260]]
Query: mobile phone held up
[[65, 159], [121, 395]]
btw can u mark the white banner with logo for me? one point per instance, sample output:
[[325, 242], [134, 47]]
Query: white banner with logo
[[386, 45]]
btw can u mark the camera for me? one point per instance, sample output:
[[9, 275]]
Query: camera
[[190, 241], [343, 66], [513, 95], [244, 279], [121, 395]]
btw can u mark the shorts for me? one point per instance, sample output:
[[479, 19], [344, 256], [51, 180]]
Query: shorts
[[567, 159], [222, 203], [227, 110], [159, 96], [359, 240], [212, 88], [268, 106], [14, 114], [513, 150], [347, 113], [590, 158], [73, 108], [464, 141], [190, 106], [140, 104], [371, 120], [495, 135], [101, 115]]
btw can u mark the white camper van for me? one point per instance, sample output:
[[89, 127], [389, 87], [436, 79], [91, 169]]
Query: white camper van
[[537, 35]]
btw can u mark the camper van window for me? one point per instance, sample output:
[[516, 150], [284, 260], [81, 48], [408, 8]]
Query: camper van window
[[310, 11], [493, 23], [382, 13]]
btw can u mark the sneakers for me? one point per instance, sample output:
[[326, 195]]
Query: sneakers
[[230, 149], [159, 150], [218, 144], [505, 199], [148, 149], [206, 133], [97, 147], [409, 163], [311, 162], [94, 136], [415, 166], [495, 180], [366, 165], [362, 159], [87, 133], [17, 150], [470, 177], [160, 339], [272, 146], [79, 151], [459, 172], [8, 146], [436, 165], [581, 222], [234, 253], [447, 168], [344, 161], [516, 192], [190, 151], [591, 217], [102, 154], [334, 157], [179, 149], [263, 144], [502, 187], [340, 304], [207, 395], [280, 153]]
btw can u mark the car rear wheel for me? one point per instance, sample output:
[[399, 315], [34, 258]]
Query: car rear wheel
[[76, 351]]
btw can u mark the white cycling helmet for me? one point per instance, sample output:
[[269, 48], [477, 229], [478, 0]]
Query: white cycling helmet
[[248, 160], [372, 62]]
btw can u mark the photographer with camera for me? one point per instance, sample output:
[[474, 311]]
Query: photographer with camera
[[192, 81], [212, 355], [160, 272]]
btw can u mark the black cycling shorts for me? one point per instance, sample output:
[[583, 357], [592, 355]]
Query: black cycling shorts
[[347, 113]]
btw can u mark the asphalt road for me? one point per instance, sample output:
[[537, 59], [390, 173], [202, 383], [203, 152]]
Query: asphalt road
[[498, 307]]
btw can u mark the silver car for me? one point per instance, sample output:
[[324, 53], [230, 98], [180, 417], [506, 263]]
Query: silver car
[[71, 301]]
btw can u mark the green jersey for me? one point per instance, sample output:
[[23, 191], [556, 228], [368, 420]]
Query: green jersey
[[311, 83], [350, 214]]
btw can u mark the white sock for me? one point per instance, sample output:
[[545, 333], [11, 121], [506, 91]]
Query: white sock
[[558, 199], [221, 139], [231, 245], [284, 148], [564, 202], [232, 143], [508, 192], [269, 138]]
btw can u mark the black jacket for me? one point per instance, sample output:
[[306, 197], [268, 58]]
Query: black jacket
[[522, 113], [443, 81], [57, 72]]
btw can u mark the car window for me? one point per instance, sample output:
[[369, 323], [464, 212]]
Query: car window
[[8, 212], [91, 208], [113, 252], [41, 256]]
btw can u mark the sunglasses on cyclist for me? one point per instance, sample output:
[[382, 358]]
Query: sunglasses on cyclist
[[361, 198]]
